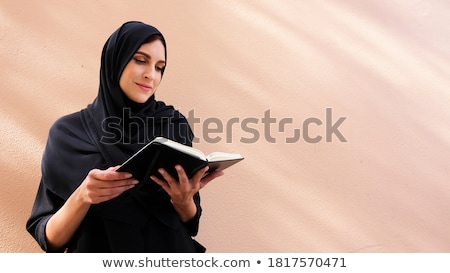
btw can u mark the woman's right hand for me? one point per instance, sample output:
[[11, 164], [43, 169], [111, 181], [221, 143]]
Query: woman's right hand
[[103, 185], [98, 186]]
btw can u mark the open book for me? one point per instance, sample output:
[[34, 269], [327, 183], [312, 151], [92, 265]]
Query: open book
[[165, 153]]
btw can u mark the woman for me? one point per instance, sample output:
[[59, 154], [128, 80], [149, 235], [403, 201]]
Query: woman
[[83, 204]]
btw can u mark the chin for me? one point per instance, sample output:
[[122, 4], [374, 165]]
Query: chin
[[141, 99]]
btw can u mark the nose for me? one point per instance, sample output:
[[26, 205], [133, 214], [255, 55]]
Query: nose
[[150, 73]]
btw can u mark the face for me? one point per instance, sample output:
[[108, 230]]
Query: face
[[142, 74]]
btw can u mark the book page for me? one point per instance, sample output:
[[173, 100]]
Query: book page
[[221, 156]]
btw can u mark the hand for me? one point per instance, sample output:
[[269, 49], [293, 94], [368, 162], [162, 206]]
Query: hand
[[103, 185], [182, 191], [185, 188], [98, 186]]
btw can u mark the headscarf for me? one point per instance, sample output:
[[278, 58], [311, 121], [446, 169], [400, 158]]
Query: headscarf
[[103, 135], [118, 120], [112, 125]]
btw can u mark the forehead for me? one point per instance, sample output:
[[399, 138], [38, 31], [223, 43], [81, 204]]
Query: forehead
[[154, 49]]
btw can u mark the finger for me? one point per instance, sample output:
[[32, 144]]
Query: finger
[[164, 184], [196, 179], [111, 185], [115, 191], [211, 176], [104, 194], [182, 177], [198, 176], [109, 174], [114, 168], [167, 176]]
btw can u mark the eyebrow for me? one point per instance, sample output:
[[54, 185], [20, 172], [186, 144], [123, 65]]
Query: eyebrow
[[149, 57]]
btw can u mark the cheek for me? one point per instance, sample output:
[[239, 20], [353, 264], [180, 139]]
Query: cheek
[[158, 81], [122, 82], [130, 70], [127, 76]]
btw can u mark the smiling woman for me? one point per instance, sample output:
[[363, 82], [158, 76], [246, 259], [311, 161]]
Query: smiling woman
[[83, 204]]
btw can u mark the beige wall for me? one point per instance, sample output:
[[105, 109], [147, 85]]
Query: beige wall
[[383, 65]]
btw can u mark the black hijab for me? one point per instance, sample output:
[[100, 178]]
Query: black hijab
[[105, 134], [113, 126], [119, 121]]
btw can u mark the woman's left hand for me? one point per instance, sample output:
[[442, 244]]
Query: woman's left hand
[[182, 191]]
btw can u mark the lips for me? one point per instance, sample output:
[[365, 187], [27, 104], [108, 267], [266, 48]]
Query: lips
[[144, 87]]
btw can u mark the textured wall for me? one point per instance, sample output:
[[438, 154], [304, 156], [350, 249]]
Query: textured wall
[[378, 181]]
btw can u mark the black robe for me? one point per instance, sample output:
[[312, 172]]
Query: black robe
[[105, 134]]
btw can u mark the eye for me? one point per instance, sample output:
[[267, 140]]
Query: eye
[[160, 68], [139, 60]]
